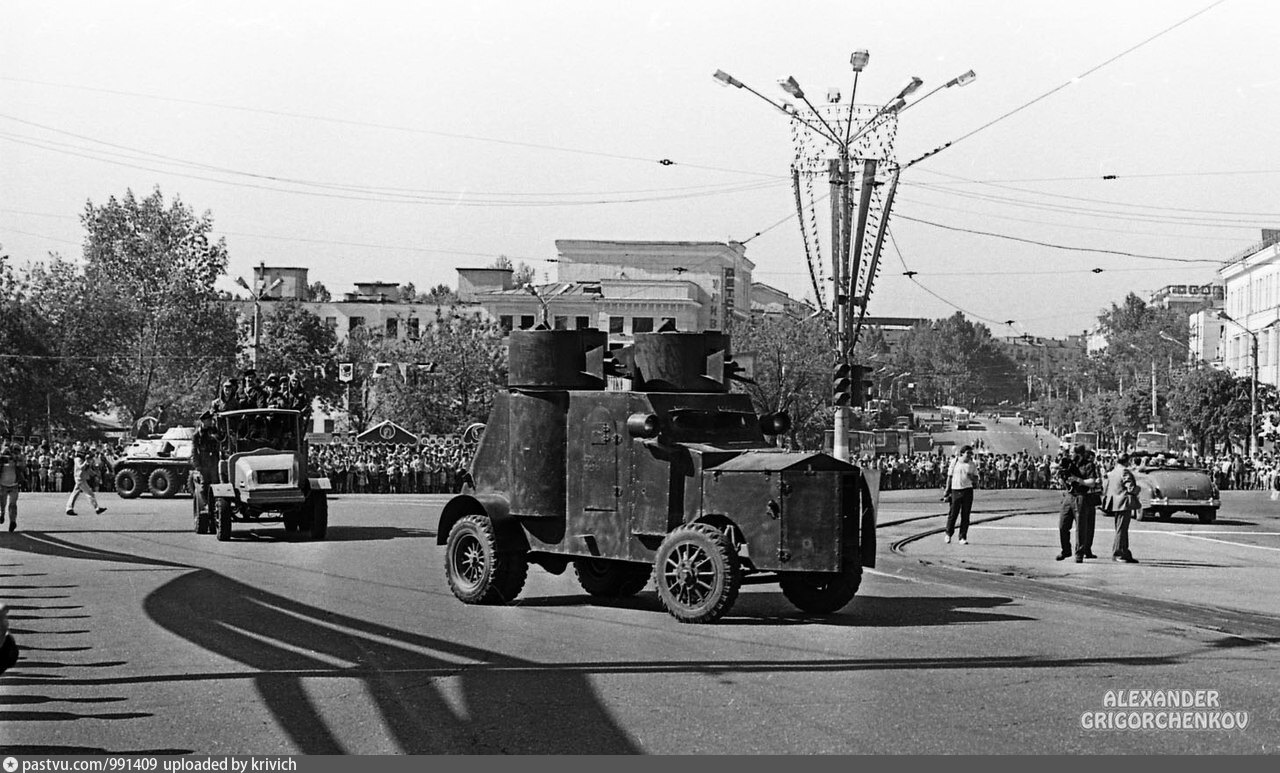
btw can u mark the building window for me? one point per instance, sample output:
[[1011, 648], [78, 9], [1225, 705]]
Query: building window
[[414, 328], [560, 323], [582, 323], [669, 322], [615, 325], [393, 328], [331, 322], [642, 324], [526, 321], [355, 323], [504, 321], [329, 425]]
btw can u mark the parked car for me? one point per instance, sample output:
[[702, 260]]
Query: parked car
[[1166, 484]]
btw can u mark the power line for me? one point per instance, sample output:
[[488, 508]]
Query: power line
[[373, 125], [1079, 77], [1057, 246]]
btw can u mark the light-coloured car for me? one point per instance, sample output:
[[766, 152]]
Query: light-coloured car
[[1167, 485]]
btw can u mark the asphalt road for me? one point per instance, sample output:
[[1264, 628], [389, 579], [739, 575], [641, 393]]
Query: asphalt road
[[141, 637], [1003, 437]]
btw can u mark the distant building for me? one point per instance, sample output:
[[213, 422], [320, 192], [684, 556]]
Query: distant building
[[1252, 308], [624, 288]]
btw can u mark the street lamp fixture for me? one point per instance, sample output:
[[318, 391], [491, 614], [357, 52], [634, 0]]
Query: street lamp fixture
[[858, 59], [790, 86], [258, 295]]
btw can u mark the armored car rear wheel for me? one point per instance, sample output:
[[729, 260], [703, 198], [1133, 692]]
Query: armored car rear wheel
[[821, 592], [319, 511], [477, 571], [611, 579], [697, 573], [128, 483]]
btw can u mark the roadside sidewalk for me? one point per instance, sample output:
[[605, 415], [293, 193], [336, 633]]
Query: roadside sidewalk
[[1231, 564]]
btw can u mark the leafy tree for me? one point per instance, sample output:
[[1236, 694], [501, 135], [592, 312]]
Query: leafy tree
[[794, 363], [468, 355], [522, 275], [26, 368], [294, 339], [150, 269], [316, 292], [954, 361]]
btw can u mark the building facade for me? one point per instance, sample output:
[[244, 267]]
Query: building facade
[[1252, 310]]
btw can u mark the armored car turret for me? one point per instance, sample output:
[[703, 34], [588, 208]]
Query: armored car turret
[[642, 463]]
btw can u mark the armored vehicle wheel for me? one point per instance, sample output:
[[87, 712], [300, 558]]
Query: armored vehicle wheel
[[222, 512], [478, 573], [200, 517], [1207, 514], [821, 592], [319, 511], [611, 579], [163, 483], [128, 483], [697, 573], [291, 518]]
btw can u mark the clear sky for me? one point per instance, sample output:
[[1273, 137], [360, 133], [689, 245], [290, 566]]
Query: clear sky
[[397, 141]]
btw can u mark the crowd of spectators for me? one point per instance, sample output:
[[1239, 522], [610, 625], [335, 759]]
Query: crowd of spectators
[[1031, 470], [435, 466], [50, 466]]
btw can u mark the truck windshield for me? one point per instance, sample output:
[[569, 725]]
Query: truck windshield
[[266, 430]]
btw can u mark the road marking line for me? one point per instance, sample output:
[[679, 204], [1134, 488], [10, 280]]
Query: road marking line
[[1220, 541]]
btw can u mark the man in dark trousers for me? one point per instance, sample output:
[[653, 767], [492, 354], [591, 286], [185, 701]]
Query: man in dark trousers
[[1081, 481], [204, 457]]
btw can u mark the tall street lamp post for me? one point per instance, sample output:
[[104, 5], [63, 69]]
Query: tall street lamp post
[[848, 232], [1253, 390], [258, 291]]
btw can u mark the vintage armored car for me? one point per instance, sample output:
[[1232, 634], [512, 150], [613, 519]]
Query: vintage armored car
[[640, 462]]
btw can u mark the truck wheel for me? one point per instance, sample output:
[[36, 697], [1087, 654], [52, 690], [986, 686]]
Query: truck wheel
[[821, 592], [1207, 515], [163, 483], [479, 573], [611, 579], [222, 512], [128, 483], [697, 573], [319, 516]]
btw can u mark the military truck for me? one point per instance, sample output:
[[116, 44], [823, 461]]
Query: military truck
[[642, 463], [160, 464], [262, 471]]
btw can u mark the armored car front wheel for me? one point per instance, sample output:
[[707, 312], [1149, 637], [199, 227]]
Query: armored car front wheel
[[697, 573], [479, 573], [821, 592]]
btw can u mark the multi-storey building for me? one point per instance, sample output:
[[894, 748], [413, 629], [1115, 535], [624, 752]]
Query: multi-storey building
[[1252, 310]]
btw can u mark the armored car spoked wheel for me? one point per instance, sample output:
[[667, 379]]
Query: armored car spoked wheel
[[611, 579], [697, 573], [477, 571]]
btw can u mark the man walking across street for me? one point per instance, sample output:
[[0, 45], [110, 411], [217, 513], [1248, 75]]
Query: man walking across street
[[960, 482], [1080, 478], [84, 469], [1120, 498], [13, 473]]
